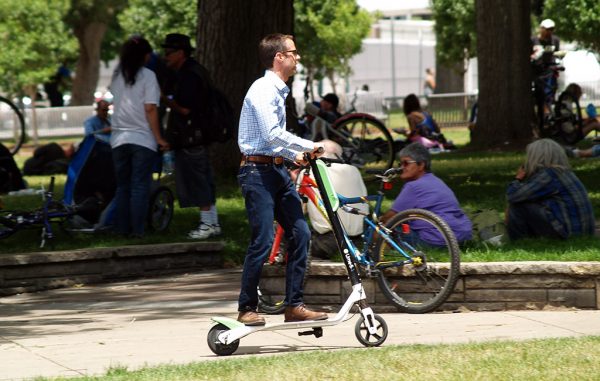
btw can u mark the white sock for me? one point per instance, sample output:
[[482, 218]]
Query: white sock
[[214, 216], [205, 217]]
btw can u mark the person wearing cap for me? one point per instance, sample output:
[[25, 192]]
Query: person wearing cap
[[329, 107], [540, 43], [268, 191], [193, 173]]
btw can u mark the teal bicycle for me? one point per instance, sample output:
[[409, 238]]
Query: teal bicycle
[[414, 256]]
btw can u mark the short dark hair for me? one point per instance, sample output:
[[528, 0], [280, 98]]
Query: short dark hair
[[269, 46], [411, 103]]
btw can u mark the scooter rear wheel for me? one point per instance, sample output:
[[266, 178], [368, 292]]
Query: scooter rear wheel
[[367, 339], [216, 346]]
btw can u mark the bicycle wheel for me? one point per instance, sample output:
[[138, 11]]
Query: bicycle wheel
[[160, 209], [428, 279], [12, 126], [365, 141]]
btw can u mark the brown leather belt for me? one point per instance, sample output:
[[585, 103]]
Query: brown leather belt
[[260, 159]]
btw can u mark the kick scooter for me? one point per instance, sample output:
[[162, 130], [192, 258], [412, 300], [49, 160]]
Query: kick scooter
[[371, 330]]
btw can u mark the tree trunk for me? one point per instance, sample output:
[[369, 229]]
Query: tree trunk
[[449, 79], [87, 72], [505, 102], [227, 45]]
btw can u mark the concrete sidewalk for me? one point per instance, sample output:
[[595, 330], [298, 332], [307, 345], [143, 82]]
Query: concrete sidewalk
[[86, 330]]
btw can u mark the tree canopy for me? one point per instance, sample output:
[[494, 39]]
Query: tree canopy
[[34, 41], [455, 30], [576, 20], [328, 33], [156, 18]]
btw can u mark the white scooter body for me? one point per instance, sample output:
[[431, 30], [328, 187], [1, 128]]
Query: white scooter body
[[238, 330]]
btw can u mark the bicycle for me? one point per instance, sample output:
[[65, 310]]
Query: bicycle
[[546, 67], [160, 214], [414, 276], [52, 211], [365, 139], [12, 125]]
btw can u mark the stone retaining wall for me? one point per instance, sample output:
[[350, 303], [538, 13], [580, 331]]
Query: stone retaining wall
[[46, 270], [491, 286]]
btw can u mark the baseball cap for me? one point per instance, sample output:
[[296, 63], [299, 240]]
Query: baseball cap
[[547, 24], [332, 98]]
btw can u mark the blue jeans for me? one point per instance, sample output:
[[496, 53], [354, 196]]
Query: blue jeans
[[133, 171], [527, 219], [270, 194]]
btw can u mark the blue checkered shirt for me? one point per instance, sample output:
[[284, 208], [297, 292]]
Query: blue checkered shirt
[[262, 121], [562, 196]]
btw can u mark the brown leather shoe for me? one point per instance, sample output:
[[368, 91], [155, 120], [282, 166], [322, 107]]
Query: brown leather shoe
[[251, 318], [301, 313]]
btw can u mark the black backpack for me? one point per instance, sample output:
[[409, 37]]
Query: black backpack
[[212, 121], [220, 123]]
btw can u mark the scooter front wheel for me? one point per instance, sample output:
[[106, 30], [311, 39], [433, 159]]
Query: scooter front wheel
[[365, 337], [216, 346]]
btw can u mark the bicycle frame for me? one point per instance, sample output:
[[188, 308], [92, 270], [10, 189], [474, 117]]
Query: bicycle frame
[[306, 187], [42, 217]]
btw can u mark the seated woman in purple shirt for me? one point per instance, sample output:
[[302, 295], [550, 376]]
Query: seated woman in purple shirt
[[424, 190]]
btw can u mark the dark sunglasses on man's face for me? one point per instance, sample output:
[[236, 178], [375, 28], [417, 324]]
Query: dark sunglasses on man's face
[[169, 52]]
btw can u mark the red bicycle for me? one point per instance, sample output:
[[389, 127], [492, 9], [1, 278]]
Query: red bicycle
[[306, 187]]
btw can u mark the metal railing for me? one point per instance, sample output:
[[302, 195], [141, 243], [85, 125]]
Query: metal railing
[[58, 121], [449, 110]]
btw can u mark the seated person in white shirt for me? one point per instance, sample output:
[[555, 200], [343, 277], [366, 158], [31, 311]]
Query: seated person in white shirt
[[348, 182]]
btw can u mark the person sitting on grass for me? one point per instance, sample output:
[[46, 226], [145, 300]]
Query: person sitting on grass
[[424, 190], [422, 128], [546, 199]]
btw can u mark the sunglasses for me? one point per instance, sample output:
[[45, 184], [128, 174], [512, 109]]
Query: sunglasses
[[294, 52], [405, 163]]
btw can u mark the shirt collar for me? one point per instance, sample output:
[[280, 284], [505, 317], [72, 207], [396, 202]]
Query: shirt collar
[[278, 82]]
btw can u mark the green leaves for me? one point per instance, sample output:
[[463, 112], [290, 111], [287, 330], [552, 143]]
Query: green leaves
[[34, 41], [156, 18], [455, 29], [576, 20], [328, 33]]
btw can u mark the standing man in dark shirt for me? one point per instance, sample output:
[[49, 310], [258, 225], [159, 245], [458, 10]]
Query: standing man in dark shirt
[[193, 173], [543, 47], [540, 42]]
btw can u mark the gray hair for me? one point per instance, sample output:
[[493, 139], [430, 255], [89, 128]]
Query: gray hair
[[418, 153], [332, 149], [545, 153]]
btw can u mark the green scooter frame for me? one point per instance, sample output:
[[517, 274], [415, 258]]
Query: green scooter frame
[[371, 330]]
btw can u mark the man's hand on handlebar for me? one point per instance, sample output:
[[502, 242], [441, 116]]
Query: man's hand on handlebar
[[318, 150]]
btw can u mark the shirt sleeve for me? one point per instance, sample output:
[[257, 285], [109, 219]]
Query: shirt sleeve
[[538, 186], [88, 127], [151, 89], [268, 116]]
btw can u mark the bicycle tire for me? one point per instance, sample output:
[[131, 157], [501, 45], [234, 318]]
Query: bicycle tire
[[427, 282], [365, 141], [12, 125], [274, 304], [160, 209]]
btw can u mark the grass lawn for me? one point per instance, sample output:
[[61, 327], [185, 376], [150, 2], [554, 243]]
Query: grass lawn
[[549, 359], [479, 180]]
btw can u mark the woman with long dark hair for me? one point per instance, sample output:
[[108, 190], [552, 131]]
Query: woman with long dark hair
[[422, 128], [135, 136]]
